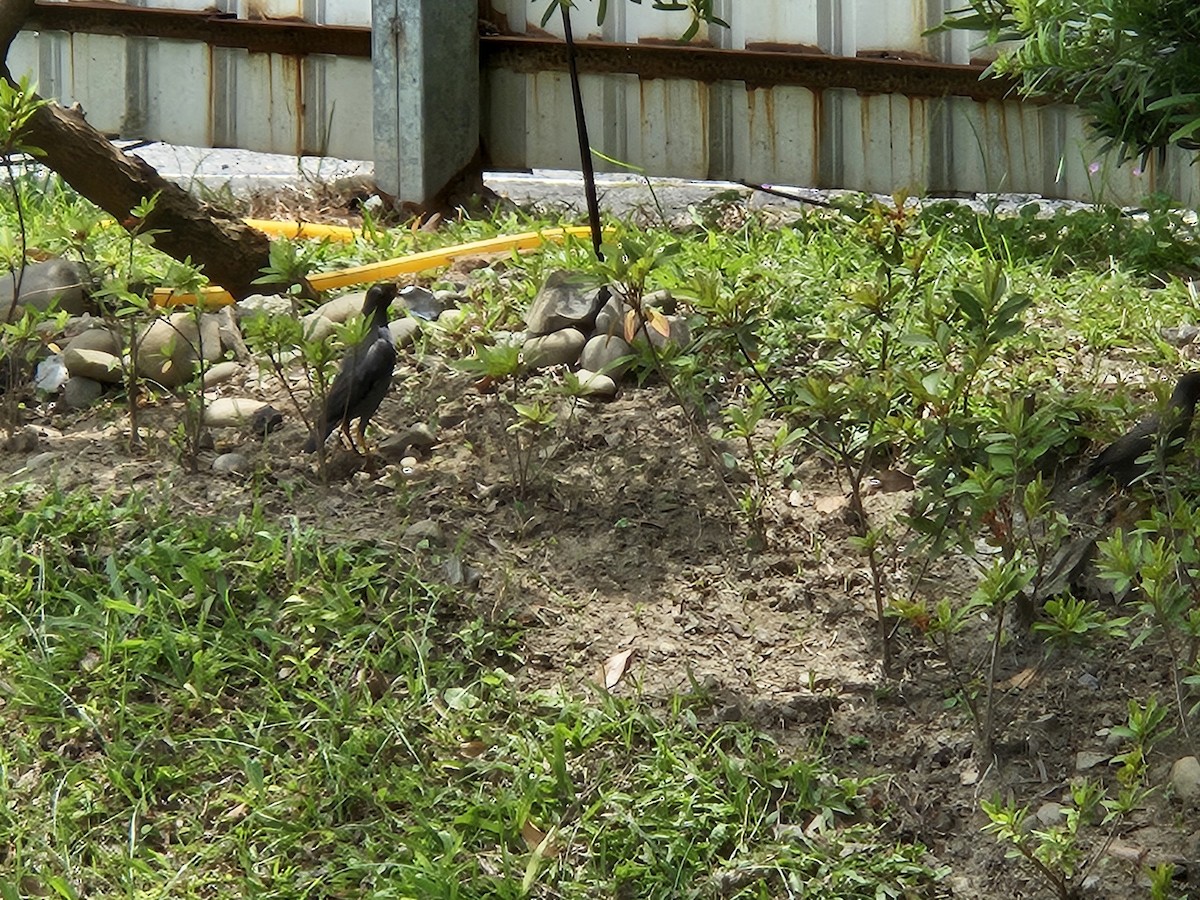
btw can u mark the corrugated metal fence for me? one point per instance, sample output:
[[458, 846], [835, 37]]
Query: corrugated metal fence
[[699, 126]]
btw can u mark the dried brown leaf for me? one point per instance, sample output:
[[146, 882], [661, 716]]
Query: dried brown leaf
[[609, 675]]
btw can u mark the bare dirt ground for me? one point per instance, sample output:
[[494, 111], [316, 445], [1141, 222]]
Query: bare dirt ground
[[627, 540]]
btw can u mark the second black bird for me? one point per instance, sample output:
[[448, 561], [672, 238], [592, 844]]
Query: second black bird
[[364, 376], [1122, 460]]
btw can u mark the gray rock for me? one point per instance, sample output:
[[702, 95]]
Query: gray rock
[[427, 531], [451, 318], [265, 420], [1181, 336], [419, 436], [231, 336], [221, 372], [232, 464], [42, 283], [596, 386], [1089, 759], [168, 349], [231, 412], [600, 354], [96, 338], [1050, 814], [51, 374], [271, 304], [611, 318], [556, 349], [664, 301], [1185, 779], [509, 338], [42, 460], [343, 308], [424, 303], [79, 392], [94, 364], [404, 331], [316, 327], [680, 334], [566, 300]]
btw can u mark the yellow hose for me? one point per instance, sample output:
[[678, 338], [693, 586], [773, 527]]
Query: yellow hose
[[417, 262]]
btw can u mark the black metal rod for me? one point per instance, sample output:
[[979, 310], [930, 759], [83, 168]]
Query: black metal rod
[[585, 147]]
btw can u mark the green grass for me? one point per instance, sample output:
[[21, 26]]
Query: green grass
[[202, 708]]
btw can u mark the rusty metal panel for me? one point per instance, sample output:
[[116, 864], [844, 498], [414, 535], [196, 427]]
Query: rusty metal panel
[[176, 91], [668, 128], [550, 138], [884, 142], [338, 112], [891, 26], [97, 63], [255, 101], [775, 136]]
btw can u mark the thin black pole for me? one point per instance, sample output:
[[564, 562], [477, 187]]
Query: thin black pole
[[585, 147]]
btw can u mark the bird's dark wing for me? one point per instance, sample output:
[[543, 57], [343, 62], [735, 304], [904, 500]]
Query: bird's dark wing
[[365, 372], [1120, 458], [372, 375]]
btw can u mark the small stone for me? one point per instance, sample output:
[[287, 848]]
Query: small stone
[[556, 349], [611, 318], [79, 392], [264, 421], [23, 441], [451, 318], [95, 338], [663, 300], [60, 282], [1089, 681], [1185, 779], [606, 354], [679, 333], [169, 347], [595, 385], [271, 304], [424, 303], [426, 530], [1050, 814], [404, 331], [42, 460], [315, 327], [343, 308], [509, 338], [419, 436], [1089, 759], [232, 464], [220, 373], [230, 412], [566, 300], [1181, 336], [94, 364]]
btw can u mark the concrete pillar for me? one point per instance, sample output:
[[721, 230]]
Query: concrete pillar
[[425, 55]]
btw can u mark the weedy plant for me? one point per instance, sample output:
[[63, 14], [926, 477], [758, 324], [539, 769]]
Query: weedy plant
[[1063, 852]]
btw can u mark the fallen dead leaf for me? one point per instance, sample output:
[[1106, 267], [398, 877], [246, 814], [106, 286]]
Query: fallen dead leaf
[[1021, 680], [830, 503], [609, 675], [472, 749], [539, 841]]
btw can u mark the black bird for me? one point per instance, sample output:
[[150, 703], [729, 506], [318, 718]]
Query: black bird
[[1121, 460], [364, 376]]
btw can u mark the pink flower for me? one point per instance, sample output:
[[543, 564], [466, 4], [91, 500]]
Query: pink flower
[[1094, 168]]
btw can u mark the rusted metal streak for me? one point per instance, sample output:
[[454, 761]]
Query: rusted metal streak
[[290, 37], [914, 78]]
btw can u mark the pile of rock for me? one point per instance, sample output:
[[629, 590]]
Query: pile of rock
[[574, 320]]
